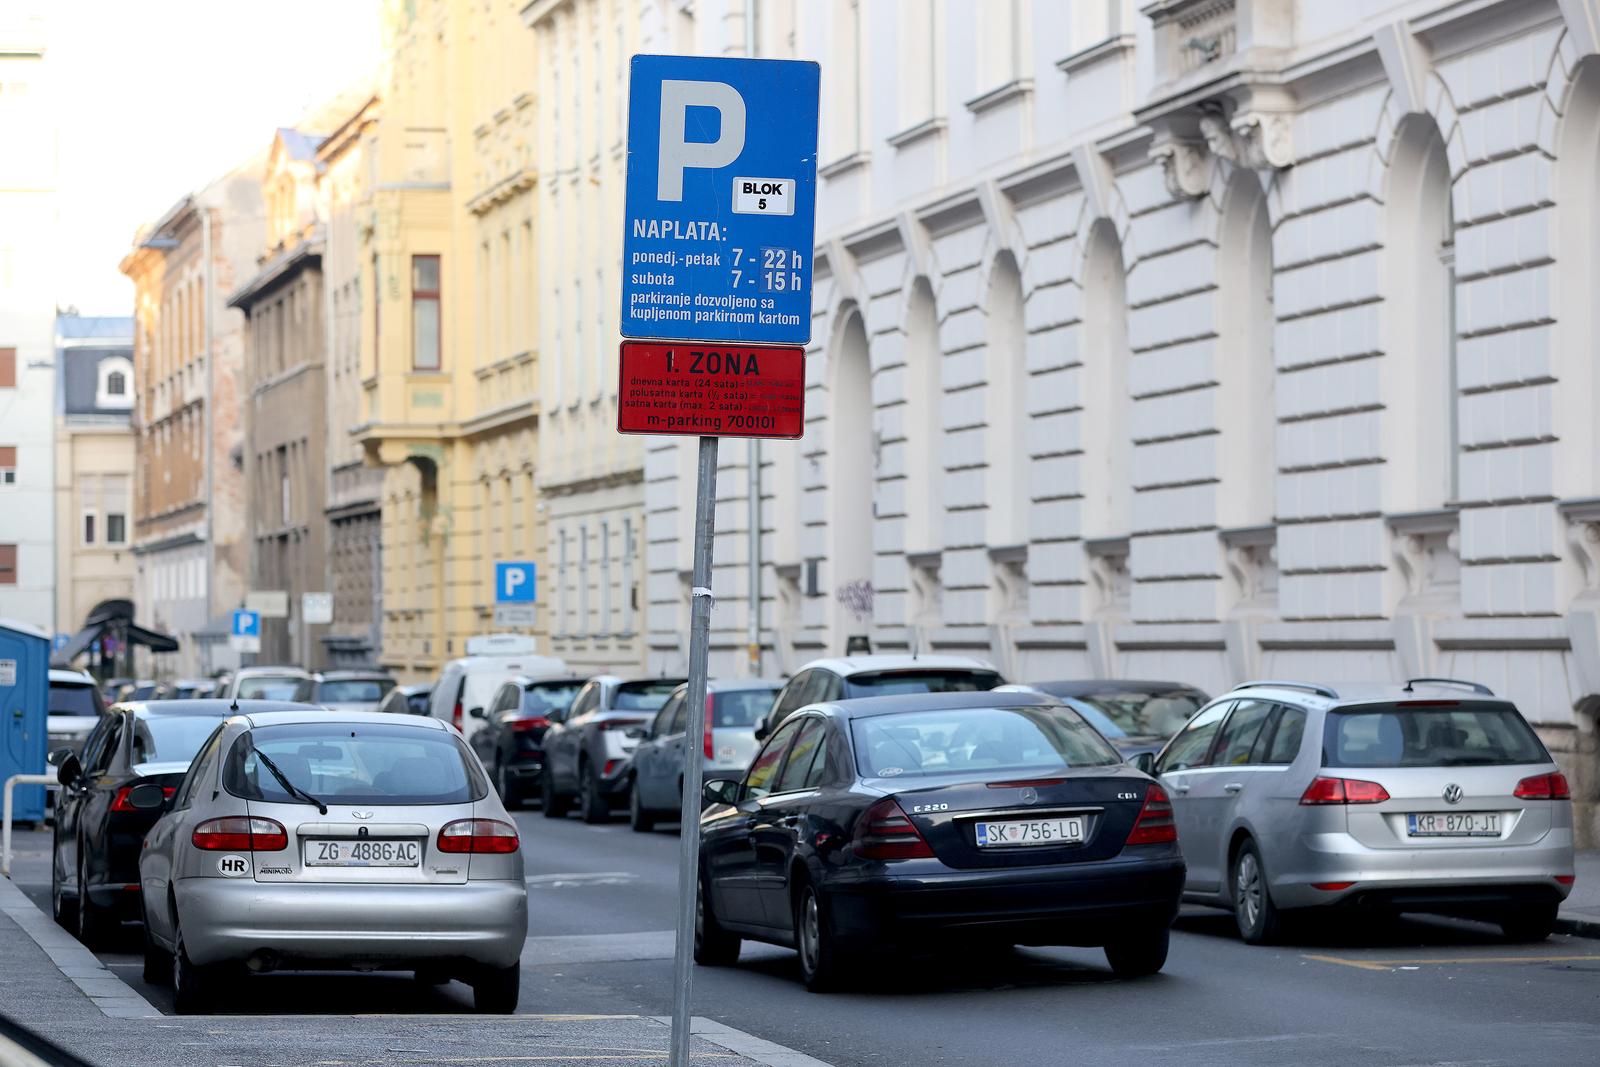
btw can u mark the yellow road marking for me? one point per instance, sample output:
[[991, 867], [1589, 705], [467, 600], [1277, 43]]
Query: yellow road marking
[[1386, 965]]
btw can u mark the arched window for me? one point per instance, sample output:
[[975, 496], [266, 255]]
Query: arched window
[[1246, 411], [1577, 273], [116, 384], [1105, 435], [1419, 313], [924, 463], [1006, 408], [113, 376]]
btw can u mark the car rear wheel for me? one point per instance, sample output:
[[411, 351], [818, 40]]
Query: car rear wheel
[[638, 818], [554, 804], [592, 805], [1533, 922], [495, 989], [192, 986], [157, 960], [1137, 955], [1257, 917], [824, 961], [94, 922], [713, 946]]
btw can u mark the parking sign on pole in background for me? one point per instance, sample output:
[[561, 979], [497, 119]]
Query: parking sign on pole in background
[[719, 227], [245, 635]]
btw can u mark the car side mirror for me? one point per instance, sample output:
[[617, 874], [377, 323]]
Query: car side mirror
[[722, 791], [762, 730], [57, 755], [147, 797], [69, 769], [1145, 761], [476, 713], [635, 733]]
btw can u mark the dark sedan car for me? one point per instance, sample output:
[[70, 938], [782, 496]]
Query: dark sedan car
[[511, 742], [920, 821], [1136, 717], [94, 874]]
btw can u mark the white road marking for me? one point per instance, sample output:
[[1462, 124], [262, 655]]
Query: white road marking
[[580, 878]]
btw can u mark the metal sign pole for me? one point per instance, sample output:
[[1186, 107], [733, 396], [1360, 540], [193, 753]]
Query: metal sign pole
[[705, 513]]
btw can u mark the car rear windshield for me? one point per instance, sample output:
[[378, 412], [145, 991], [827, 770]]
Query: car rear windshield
[[268, 687], [1451, 735], [170, 738], [741, 708], [1146, 714], [1002, 740], [644, 696], [541, 698], [353, 763], [353, 690], [887, 683], [74, 700]]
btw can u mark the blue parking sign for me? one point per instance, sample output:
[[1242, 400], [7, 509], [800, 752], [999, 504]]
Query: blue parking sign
[[721, 199], [247, 624], [515, 583]]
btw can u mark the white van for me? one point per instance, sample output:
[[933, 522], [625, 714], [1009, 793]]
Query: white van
[[466, 685]]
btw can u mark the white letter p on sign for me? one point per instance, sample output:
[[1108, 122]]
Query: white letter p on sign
[[678, 154]]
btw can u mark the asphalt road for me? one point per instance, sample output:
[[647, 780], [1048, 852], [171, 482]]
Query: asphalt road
[[1416, 992]]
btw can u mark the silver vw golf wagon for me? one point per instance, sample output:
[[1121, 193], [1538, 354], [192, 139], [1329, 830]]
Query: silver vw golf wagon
[[342, 840], [1433, 797]]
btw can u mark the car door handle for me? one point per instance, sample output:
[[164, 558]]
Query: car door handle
[[1180, 787], [1233, 787], [789, 820]]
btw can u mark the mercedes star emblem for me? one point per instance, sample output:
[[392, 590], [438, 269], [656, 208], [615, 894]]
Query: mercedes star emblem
[[1030, 795], [1452, 794]]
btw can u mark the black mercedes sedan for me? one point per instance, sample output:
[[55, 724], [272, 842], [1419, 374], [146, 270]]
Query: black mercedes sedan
[[931, 820], [94, 871]]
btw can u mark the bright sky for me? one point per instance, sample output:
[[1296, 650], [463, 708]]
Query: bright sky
[[158, 98]]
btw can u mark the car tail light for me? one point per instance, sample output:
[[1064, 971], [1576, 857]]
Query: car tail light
[[885, 832], [707, 733], [536, 722], [456, 715], [1332, 887], [621, 724], [1551, 786], [1343, 791], [1566, 879], [1154, 826], [610, 768], [239, 834], [120, 802], [478, 835]]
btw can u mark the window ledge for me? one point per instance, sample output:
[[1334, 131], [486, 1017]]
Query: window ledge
[[931, 127], [1015, 89], [845, 164], [1109, 48]]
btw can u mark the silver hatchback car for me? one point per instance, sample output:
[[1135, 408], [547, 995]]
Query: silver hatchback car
[[318, 840], [1434, 797]]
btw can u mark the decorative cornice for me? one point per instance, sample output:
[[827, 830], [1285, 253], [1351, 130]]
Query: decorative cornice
[[519, 181]]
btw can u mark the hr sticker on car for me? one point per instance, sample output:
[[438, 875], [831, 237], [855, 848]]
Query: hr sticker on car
[[233, 866]]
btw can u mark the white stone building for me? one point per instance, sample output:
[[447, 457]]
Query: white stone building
[[28, 247], [1207, 339]]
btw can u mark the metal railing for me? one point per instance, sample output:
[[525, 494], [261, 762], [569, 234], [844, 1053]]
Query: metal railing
[[5, 817]]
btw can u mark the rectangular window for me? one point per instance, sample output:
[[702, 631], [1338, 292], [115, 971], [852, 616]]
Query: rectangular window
[[583, 578], [425, 326], [8, 368], [377, 312], [88, 527], [605, 576], [628, 591], [116, 529], [8, 464], [8, 564]]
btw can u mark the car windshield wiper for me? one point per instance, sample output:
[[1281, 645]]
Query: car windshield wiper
[[289, 787]]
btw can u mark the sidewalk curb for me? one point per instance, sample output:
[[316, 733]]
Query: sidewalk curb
[[742, 1044], [110, 994], [1578, 927]]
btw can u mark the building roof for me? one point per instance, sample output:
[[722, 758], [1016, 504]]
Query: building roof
[[299, 145], [94, 328]]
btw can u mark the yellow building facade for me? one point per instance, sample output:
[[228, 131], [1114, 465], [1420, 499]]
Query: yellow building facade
[[448, 354]]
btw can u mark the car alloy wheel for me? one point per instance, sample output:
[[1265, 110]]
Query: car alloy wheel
[[1253, 910], [823, 960], [591, 805], [641, 821], [94, 925], [713, 945], [189, 993]]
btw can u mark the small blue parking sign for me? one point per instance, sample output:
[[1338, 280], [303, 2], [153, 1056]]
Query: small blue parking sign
[[515, 583], [246, 624], [721, 199]]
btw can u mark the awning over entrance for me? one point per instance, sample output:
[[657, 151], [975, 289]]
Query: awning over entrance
[[114, 619]]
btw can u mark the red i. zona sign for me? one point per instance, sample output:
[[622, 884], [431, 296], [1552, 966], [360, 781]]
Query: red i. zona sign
[[712, 390]]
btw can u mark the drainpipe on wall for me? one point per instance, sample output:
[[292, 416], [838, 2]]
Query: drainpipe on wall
[[210, 424]]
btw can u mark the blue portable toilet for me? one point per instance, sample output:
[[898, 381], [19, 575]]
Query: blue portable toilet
[[24, 712]]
